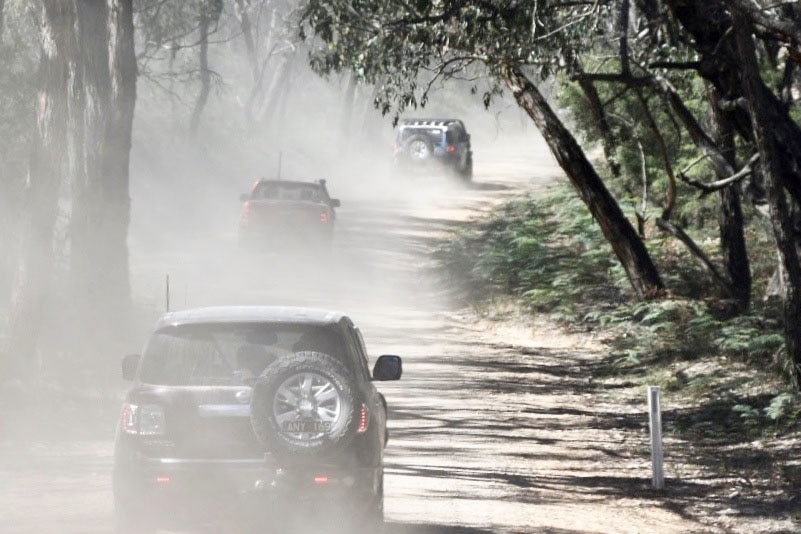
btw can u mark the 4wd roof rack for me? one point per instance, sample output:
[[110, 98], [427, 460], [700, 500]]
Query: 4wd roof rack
[[428, 122]]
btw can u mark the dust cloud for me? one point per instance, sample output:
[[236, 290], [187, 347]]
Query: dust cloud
[[56, 450]]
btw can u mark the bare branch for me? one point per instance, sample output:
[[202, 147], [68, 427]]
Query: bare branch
[[725, 182], [696, 251], [670, 200]]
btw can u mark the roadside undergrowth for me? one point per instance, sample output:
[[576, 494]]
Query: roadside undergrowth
[[549, 256]]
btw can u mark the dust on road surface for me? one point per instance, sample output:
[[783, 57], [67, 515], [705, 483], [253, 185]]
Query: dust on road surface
[[490, 430]]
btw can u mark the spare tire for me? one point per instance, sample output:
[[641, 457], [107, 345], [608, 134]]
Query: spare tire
[[419, 148], [305, 405]]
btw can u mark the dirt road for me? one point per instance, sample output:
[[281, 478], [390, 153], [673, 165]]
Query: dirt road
[[492, 431]]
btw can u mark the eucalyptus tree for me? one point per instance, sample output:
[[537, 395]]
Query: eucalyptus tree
[[46, 172], [84, 113], [410, 45], [19, 55], [639, 65], [103, 96]]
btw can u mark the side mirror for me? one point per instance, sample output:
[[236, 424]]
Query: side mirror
[[129, 366], [387, 367], [244, 197], [335, 203]]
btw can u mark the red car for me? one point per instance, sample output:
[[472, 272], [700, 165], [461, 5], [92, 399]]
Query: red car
[[285, 212]]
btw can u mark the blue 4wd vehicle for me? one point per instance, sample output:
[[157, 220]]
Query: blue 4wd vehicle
[[423, 143], [263, 415]]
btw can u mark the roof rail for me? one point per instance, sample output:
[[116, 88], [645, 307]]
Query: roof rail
[[428, 122]]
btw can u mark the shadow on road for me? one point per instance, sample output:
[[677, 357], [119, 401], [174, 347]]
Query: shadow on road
[[428, 528]]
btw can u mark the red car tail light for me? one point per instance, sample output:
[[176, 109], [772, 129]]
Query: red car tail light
[[128, 419], [145, 420], [246, 211], [321, 479], [364, 420], [323, 217], [451, 149]]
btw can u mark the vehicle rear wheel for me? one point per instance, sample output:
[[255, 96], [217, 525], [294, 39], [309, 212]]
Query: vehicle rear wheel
[[467, 172], [305, 405], [419, 148]]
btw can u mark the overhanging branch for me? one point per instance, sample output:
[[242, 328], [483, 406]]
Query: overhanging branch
[[717, 185]]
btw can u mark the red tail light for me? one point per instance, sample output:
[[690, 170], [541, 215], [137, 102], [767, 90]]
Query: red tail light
[[321, 480], [163, 480], [129, 423], [246, 211], [145, 420], [451, 149], [324, 217], [364, 420]]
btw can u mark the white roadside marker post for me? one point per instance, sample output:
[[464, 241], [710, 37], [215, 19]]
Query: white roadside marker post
[[655, 416]]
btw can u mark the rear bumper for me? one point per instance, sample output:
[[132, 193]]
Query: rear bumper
[[406, 163], [158, 483]]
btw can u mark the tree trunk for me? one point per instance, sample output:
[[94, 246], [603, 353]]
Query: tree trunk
[[764, 119], [245, 24], [2, 18], [282, 102], [89, 127], [618, 231], [710, 26], [210, 12], [602, 124], [117, 201], [730, 216], [205, 77], [103, 102], [45, 175], [279, 87]]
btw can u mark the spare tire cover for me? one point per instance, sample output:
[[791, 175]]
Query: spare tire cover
[[305, 405]]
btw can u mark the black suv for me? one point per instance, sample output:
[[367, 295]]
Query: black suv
[[255, 413], [419, 143]]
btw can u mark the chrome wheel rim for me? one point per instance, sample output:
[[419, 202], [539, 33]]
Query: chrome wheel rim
[[419, 149], [307, 406]]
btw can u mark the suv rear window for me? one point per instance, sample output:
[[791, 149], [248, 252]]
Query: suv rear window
[[214, 354], [435, 134], [288, 191]]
